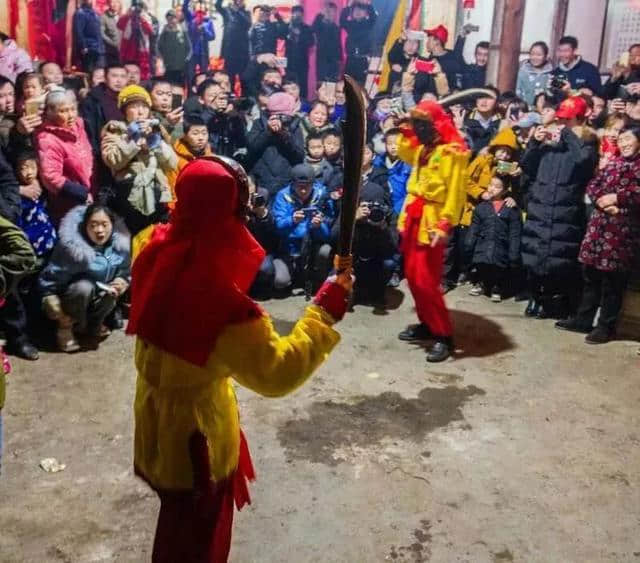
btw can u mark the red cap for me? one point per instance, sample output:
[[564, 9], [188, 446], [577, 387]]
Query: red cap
[[571, 108], [440, 32]]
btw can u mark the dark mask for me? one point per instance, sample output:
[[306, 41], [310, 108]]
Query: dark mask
[[425, 131]]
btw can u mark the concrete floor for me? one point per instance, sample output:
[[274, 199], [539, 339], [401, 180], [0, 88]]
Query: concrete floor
[[526, 448]]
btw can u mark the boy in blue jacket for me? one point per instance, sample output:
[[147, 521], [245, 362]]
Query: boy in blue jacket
[[398, 171]]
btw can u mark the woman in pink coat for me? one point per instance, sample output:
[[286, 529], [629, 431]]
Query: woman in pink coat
[[64, 151]]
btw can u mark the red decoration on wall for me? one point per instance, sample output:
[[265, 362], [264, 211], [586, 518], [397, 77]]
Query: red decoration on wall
[[469, 4]]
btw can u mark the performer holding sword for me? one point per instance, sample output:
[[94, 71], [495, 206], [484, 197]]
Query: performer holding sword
[[197, 330]]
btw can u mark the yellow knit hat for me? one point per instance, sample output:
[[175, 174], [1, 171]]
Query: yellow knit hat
[[133, 93]]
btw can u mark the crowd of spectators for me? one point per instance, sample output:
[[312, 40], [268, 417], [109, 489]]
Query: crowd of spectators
[[88, 161]]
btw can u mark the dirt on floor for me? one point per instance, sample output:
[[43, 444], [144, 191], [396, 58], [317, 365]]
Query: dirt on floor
[[526, 447]]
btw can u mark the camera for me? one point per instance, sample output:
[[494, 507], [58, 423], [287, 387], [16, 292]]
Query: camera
[[558, 81], [309, 212], [258, 200], [378, 212]]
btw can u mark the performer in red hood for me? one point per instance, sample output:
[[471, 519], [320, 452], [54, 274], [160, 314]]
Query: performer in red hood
[[197, 330], [436, 193]]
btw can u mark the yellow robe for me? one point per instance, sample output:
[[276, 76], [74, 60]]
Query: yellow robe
[[441, 183], [175, 398]]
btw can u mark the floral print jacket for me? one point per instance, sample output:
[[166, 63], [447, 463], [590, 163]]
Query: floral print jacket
[[612, 241]]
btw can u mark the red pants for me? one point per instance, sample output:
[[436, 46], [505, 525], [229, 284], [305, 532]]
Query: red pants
[[423, 267], [195, 526]]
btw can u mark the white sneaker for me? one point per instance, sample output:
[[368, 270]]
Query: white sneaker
[[476, 290], [496, 297]]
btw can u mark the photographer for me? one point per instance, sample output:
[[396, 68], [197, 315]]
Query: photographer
[[299, 41], [137, 28], [303, 215], [573, 70], [235, 41], [139, 160], [226, 126], [262, 226], [201, 32], [625, 79], [358, 20], [561, 159], [264, 34], [170, 118], [275, 143], [375, 245]]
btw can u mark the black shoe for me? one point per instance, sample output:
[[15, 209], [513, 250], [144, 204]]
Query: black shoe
[[599, 335], [533, 308], [572, 325], [440, 351], [415, 332], [25, 350]]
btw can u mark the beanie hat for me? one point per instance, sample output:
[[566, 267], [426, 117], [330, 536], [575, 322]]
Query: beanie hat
[[133, 93], [281, 102]]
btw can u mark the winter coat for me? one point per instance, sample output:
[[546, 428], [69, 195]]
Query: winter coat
[[141, 185], [14, 60], [110, 31], [12, 142], [235, 41], [174, 47], [292, 235], [327, 34], [74, 257], [185, 156], [481, 170], [16, 259], [398, 174], [201, 31], [87, 32], [297, 44], [532, 80], [494, 237], [66, 165], [134, 46], [555, 222], [581, 74], [265, 232], [100, 106], [324, 170], [612, 241], [478, 132], [271, 156], [227, 134], [359, 32], [10, 206], [263, 37], [37, 225]]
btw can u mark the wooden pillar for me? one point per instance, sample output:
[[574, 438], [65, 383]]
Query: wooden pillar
[[510, 43], [559, 24]]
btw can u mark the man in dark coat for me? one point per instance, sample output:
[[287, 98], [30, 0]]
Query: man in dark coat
[[101, 105], [358, 20], [87, 36], [327, 35], [235, 41], [298, 42], [562, 159], [580, 73], [625, 80], [275, 144], [264, 35]]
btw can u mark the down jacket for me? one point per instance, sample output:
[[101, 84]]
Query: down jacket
[[556, 217], [14, 60], [494, 237], [74, 257]]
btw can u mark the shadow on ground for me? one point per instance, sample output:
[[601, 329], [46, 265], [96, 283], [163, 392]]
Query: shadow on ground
[[366, 421]]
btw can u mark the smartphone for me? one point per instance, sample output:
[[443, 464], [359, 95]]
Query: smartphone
[[281, 62], [176, 101], [32, 107], [425, 66], [624, 59]]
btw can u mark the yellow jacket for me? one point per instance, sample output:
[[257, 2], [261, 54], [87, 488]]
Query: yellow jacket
[[441, 183], [175, 398]]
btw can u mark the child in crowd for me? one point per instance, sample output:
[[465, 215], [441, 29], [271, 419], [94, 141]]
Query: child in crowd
[[501, 156], [332, 141], [398, 171], [34, 219], [30, 93], [315, 158], [493, 240], [193, 144]]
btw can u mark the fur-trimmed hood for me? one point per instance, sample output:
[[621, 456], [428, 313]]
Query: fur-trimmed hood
[[76, 245]]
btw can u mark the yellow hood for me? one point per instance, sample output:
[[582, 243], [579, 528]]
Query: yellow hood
[[504, 138]]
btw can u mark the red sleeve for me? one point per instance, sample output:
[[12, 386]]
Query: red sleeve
[[51, 163]]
